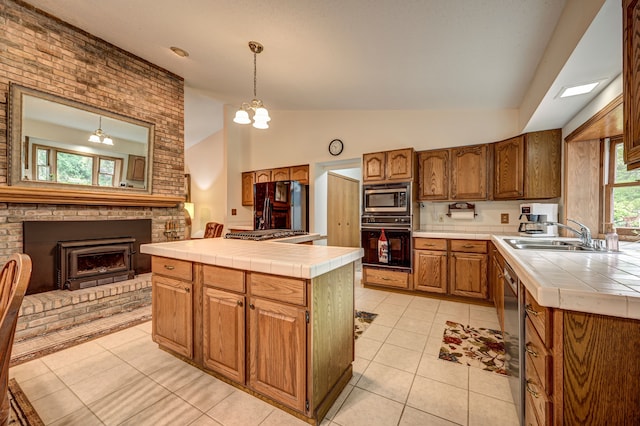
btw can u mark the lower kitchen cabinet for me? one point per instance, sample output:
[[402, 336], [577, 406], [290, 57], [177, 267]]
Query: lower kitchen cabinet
[[576, 363], [277, 351], [223, 327], [386, 277], [172, 305], [300, 332], [455, 267]]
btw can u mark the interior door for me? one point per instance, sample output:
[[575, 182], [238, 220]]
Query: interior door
[[343, 211]]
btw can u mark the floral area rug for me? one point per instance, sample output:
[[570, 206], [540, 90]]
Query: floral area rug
[[363, 321], [477, 347]]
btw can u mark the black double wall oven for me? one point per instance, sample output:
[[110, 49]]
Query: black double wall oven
[[388, 208]]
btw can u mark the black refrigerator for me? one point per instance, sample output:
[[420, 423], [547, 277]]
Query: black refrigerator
[[280, 205]]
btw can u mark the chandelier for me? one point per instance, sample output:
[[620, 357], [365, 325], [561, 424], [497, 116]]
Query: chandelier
[[99, 136], [260, 113]]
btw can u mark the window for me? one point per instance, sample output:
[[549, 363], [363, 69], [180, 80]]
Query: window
[[63, 166], [622, 192]]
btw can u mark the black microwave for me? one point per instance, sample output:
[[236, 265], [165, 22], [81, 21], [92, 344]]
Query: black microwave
[[387, 199]]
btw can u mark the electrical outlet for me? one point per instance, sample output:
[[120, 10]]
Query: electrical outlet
[[234, 212], [441, 217], [504, 217]]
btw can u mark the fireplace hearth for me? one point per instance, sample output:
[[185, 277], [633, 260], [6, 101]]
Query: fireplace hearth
[[89, 263]]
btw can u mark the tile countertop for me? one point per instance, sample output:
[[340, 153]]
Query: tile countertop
[[271, 257], [595, 282]]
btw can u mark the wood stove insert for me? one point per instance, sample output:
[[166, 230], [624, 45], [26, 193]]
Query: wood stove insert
[[89, 263]]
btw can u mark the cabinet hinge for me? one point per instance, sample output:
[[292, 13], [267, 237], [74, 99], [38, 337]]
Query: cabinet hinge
[[306, 316], [306, 404]]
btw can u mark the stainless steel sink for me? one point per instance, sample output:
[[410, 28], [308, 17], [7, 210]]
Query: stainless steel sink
[[554, 245]]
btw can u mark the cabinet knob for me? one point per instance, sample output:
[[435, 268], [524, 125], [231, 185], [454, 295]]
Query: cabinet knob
[[187, 289], [169, 267], [530, 351], [239, 302], [468, 246], [252, 306], [530, 310]]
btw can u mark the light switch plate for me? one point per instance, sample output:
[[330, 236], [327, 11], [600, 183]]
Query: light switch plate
[[504, 217]]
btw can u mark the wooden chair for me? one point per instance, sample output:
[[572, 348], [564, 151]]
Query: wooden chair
[[213, 230], [14, 279]]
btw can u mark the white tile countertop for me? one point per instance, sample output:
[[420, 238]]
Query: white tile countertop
[[595, 282], [271, 257]]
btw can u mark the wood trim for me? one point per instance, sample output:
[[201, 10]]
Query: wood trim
[[19, 194], [605, 123]]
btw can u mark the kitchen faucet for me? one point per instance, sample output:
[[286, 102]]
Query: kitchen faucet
[[584, 232]]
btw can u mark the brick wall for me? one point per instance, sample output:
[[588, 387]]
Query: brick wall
[[42, 52]]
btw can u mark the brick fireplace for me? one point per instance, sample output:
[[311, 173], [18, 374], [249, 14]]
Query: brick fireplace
[[44, 53]]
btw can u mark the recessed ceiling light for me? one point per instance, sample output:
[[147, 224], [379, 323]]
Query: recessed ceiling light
[[578, 90], [180, 52]]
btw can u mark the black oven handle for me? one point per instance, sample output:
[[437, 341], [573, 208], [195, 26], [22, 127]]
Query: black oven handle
[[389, 227]]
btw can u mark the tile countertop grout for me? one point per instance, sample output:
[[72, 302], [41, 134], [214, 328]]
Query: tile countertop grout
[[600, 283]]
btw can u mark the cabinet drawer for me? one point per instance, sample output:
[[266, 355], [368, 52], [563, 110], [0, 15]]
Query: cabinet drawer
[[225, 278], [385, 277], [539, 357], [175, 268], [430, 244], [275, 287], [538, 398], [530, 418], [469, 246], [541, 319]]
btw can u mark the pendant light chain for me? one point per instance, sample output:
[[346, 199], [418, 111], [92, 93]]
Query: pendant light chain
[[255, 72]]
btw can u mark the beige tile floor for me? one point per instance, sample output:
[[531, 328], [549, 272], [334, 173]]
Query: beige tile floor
[[124, 379]]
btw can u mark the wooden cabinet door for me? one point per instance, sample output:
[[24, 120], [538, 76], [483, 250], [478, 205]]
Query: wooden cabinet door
[[248, 179], [543, 164], [263, 176], [468, 275], [278, 352], [278, 175], [399, 164], [172, 314], [373, 165], [509, 169], [469, 173], [300, 173], [223, 333], [136, 167], [631, 78], [430, 271], [433, 175]]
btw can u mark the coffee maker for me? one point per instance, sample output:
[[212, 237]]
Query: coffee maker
[[535, 219]]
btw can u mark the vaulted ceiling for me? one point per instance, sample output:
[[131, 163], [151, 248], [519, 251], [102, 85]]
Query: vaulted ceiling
[[368, 54]]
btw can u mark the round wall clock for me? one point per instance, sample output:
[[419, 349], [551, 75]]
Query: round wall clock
[[335, 147]]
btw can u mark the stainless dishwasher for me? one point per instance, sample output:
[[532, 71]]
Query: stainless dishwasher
[[513, 333]]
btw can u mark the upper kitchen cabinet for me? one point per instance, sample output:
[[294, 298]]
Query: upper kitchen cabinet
[[469, 173], [263, 176], [528, 166], [388, 166], [278, 175], [300, 173], [631, 62], [433, 173], [453, 174], [248, 179]]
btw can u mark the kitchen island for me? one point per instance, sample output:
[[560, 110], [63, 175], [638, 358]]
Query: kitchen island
[[274, 319]]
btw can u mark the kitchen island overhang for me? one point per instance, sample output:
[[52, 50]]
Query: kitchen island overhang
[[276, 320]]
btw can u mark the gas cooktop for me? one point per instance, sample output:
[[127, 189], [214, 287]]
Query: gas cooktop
[[265, 234]]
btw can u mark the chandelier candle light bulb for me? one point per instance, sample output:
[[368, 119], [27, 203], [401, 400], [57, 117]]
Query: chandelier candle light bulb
[[260, 113]]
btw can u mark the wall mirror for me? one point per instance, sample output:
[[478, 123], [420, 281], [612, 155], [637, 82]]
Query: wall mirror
[[59, 143]]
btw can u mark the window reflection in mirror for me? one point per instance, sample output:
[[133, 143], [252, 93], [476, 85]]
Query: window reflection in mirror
[[56, 141]]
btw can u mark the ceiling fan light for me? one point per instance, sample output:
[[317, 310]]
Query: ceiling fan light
[[242, 117], [107, 140], [94, 138]]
